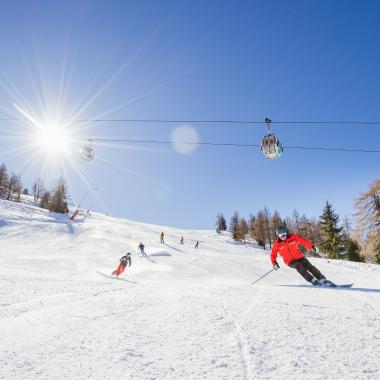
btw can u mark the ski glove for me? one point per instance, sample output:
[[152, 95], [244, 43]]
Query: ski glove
[[314, 249], [276, 266]]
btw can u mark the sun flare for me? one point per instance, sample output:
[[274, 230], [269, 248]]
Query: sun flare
[[53, 139]]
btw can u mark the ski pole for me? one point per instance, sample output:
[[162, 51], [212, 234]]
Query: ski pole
[[266, 274]]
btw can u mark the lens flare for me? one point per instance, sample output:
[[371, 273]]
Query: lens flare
[[185, 139]]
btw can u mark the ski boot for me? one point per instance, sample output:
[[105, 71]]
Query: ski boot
[[327, 283]]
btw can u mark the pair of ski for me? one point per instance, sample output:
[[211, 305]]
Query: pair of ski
[[325, 284], [330, 284]]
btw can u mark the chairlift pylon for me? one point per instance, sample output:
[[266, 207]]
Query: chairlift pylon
[[270, 145], [87, 152]]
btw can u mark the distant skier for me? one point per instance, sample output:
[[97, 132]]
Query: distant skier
[[196, 245], [181, 241], [124, 261], [162, 238], [286, 246], [141, 248]]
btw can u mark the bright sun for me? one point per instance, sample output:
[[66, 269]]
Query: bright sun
[[50, 135], [53, 139]]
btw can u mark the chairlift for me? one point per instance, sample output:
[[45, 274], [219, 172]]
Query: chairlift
[[87, 152], [270, 145]]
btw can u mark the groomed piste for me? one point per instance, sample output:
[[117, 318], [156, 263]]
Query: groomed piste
[[178, 313]]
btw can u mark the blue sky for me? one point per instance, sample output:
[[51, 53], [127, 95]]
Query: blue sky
[[197, 60]]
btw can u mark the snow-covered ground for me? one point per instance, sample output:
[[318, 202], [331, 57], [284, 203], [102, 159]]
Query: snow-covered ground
[[180, 313]]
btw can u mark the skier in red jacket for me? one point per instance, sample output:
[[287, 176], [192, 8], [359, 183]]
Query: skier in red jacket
[[286, 246], [124, 261]]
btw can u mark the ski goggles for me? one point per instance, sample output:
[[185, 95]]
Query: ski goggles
[[285, 234]]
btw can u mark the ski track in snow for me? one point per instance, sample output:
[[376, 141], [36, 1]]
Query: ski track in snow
[[178, 313], [241, 343]]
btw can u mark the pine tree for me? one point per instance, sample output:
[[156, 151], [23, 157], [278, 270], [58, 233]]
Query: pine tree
[[251, 225], [45, 200], [259, 233], [3, 181], [38, 189], [332, 240], [234, 226], [217, 224], [296, 222], [58, 200], [243, 229], [288, 222], [267, 217], [14, 187], [221, 224], [347, 227], [351, 249], [18, 189], [275, 222], [303, 226]]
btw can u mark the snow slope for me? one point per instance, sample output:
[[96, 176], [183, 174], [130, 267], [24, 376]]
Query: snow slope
[[179, 313]]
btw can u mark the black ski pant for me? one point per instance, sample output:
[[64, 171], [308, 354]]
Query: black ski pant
[[306, 269]]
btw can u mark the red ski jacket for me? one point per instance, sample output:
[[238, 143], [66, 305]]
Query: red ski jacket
[[288, 248]]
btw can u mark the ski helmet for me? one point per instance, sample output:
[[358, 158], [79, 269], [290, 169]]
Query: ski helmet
[[281, 231], [128, 254]]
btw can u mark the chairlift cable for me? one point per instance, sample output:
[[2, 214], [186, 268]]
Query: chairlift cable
[[211, 121], [230, 144]]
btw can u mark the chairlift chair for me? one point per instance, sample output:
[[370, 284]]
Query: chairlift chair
[[87, 152]]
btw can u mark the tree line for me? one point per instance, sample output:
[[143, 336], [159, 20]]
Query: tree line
[[55, 199], [335, 238]]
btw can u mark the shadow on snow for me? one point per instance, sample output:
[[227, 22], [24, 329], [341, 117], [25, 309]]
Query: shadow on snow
[[160, 254], [366, 290], [176, 249], [114, 277]]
